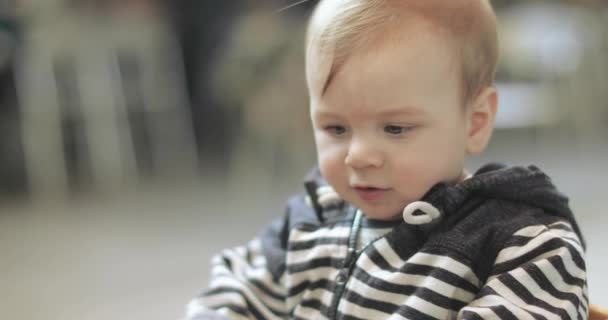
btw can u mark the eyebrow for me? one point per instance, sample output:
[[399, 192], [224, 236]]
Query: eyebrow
[[409, 111], [386, 113], [325, 114], [389, 112]]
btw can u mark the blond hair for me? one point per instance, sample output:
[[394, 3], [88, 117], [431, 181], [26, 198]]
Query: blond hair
[[340, 28]]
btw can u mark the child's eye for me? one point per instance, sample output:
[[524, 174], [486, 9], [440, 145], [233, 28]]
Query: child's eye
[[395, 130], [336, 130]]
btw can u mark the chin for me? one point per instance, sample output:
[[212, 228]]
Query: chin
[[382, 214]]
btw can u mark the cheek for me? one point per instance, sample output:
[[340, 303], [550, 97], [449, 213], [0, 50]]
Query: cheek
[[430, 161], [331, 160], [446, 143], [417, 175]]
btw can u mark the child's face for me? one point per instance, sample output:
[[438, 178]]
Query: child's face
[[391, 125]]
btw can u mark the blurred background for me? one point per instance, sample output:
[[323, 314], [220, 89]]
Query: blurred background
[[139, 137]]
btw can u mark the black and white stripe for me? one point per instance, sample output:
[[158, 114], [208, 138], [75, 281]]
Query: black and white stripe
[[506, 246], [241, 287], [540, 273]]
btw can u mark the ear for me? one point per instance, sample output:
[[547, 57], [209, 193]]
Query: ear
[[481, 116]]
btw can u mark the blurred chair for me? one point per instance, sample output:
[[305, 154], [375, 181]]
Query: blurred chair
[[102, 100], [261, 76]]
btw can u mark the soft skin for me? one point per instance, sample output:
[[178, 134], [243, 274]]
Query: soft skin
[[392, 123]]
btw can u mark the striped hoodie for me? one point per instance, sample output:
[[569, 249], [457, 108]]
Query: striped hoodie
[[502, 244]]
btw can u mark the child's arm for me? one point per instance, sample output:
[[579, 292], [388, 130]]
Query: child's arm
[[246, 281], [540, 273]]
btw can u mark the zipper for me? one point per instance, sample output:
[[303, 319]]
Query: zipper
[[352, 257], [347, 266]]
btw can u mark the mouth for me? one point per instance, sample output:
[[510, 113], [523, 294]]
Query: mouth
[[370, 194]]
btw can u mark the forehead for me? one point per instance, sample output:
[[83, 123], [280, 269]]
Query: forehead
[[339, 28], [416, 68]]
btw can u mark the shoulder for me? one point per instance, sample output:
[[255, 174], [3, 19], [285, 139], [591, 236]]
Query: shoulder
[[500, 230], [547, 247]]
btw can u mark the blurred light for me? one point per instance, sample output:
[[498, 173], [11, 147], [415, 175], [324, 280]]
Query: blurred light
[[525, 105], [547, 39]]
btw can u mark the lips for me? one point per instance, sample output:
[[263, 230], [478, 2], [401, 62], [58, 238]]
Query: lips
[[370, 194]]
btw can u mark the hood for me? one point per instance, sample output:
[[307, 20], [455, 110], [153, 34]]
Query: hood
[[525, 185]]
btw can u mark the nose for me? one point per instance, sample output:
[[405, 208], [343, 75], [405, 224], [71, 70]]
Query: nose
[[362, 154]]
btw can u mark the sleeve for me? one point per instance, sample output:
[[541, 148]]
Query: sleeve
[[246, 282], [539, 274]]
